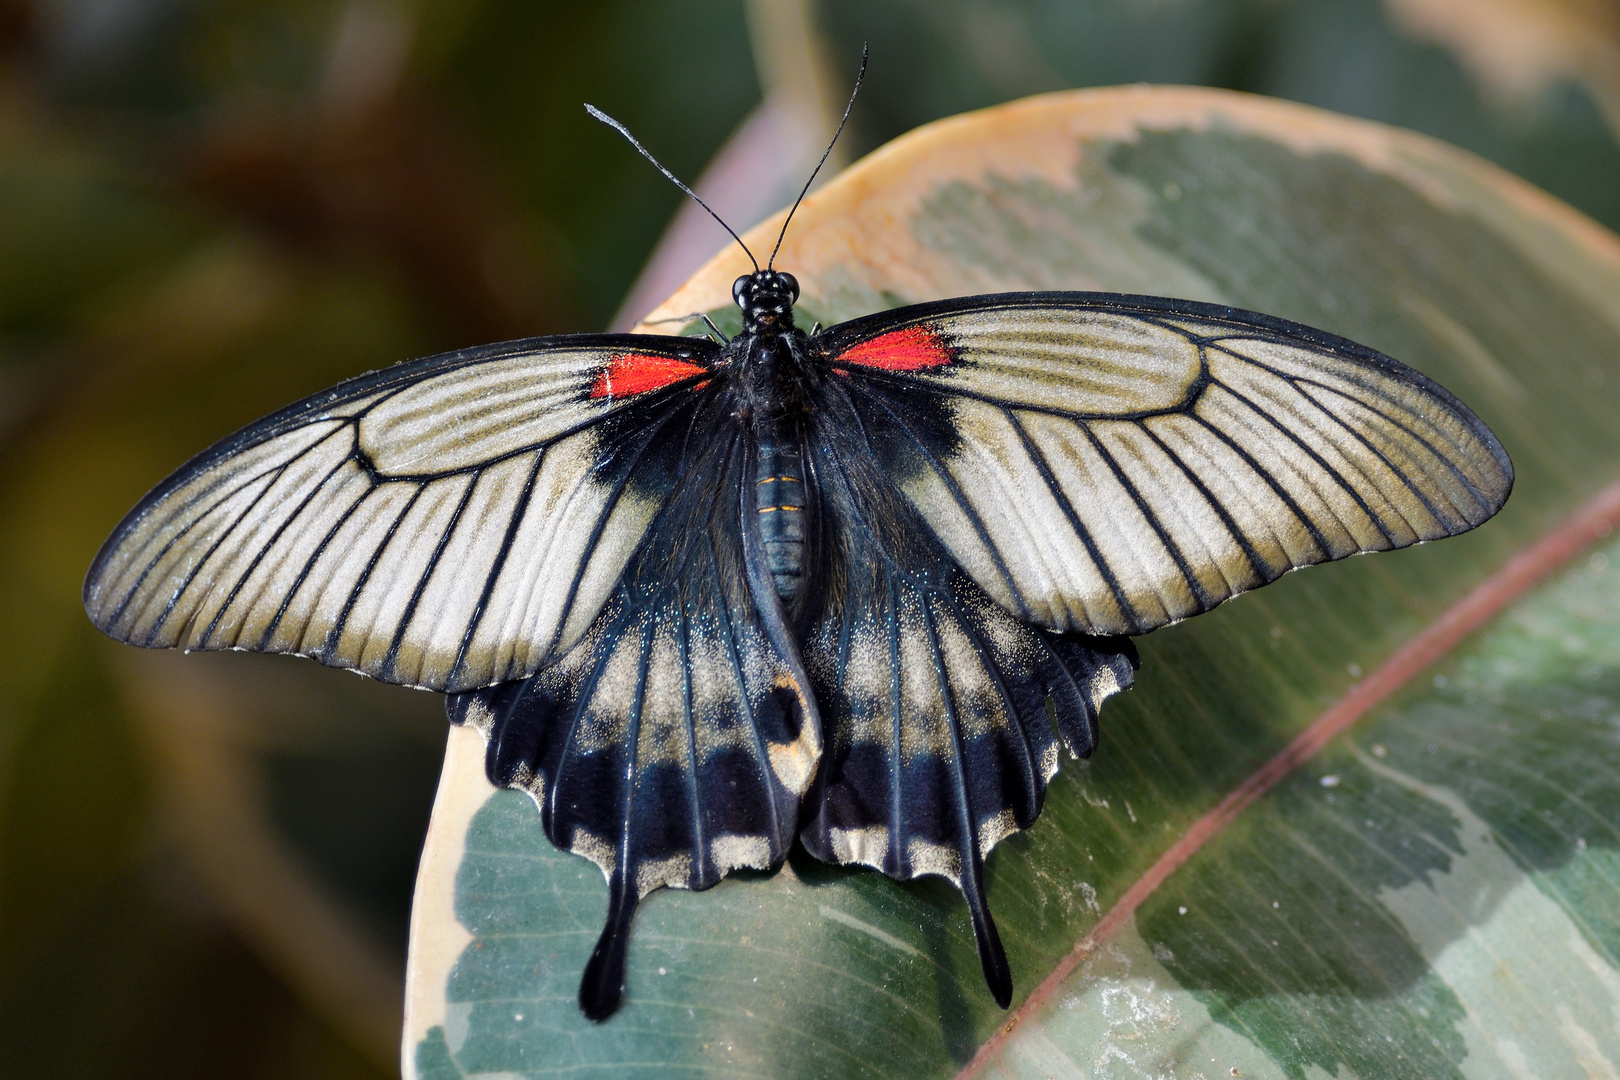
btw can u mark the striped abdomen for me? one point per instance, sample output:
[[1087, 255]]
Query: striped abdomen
[[779, 499]]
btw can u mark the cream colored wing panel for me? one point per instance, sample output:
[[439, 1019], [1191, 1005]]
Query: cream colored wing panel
[[330, 570], [1043, 568], [1190, 522], [1337, 524], [1128, 545], [530, 601], [222, 589], [252, 617], [1449, 445], [1270, 534], [1443, 500], [1386, 512], [485, 413], [1054, 358], [452, 600]]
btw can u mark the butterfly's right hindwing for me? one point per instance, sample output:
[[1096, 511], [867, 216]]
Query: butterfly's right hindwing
[[939, 706], [446, 524]]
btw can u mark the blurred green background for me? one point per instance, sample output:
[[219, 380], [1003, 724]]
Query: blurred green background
[[209, 208]]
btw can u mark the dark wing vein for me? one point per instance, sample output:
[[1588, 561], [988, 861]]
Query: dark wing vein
[[140, 579], [404, 624], [499, 564], [987, 663], [1194, 586], [1237, 535], [962, 501], [275, 537], [1037, 457], [174, 597], [1277, 489], [609, 504], [1398, 473], [338, 624], [309, 564], [1407, 431], [1344, 484]]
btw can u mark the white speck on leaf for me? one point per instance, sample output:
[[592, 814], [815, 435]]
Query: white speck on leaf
[[867, 928]]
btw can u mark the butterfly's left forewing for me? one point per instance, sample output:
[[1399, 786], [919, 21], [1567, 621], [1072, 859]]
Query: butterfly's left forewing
[[1109, 464], [447, 523]]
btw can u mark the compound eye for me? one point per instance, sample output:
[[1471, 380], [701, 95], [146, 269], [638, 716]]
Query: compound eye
[[737, 289], [790, 282]]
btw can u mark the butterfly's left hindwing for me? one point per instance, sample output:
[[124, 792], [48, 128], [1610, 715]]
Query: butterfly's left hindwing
[[674, 742], [1111, 464]]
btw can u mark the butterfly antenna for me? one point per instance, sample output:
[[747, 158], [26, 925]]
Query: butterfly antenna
[[622, 130], [806, 190]]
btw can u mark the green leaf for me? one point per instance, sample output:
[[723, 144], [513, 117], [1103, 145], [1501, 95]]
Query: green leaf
[[1432, 895]]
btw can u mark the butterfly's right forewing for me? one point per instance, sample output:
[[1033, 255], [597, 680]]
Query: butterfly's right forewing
[[1111, 464]]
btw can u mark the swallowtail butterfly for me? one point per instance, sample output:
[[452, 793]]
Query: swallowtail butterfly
[[854, 588]]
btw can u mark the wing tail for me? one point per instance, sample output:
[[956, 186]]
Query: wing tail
[[992, 957], [601, 988]]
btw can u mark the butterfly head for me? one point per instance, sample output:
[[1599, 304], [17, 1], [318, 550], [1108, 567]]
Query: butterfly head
[[766, 298]]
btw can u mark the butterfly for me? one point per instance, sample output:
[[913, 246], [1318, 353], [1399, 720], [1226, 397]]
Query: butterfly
[[854, 588]]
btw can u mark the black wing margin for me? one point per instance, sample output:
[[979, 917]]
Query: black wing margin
[[939, 706], [675, 741]]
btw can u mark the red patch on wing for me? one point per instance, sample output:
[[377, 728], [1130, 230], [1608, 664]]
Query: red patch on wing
[[629, 374], [916, 348]]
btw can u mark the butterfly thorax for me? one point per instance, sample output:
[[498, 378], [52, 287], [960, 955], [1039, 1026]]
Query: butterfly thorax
[[770, 403]]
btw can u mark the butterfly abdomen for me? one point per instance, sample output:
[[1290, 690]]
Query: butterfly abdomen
[[779, 500]]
